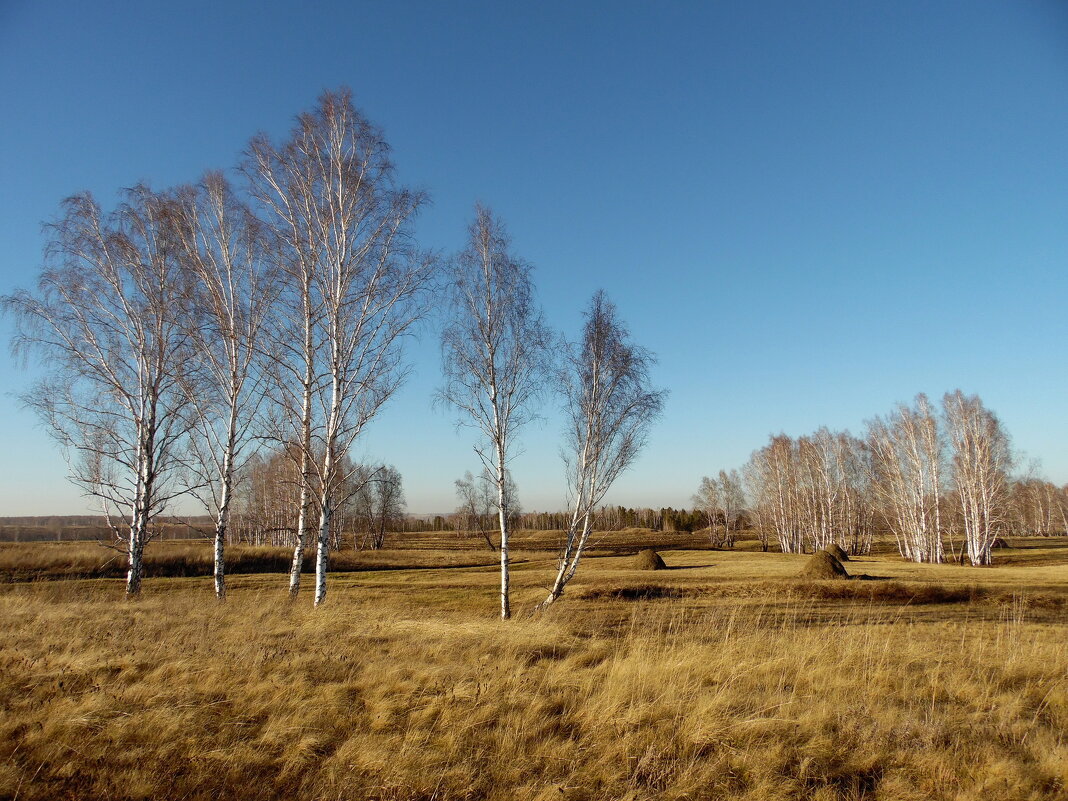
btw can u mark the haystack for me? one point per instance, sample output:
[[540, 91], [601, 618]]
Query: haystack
[[648, 560], [823, 565], [838, 552]]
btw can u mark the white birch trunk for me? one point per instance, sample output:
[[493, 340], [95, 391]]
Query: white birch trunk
[[502, 511], [322, 553]]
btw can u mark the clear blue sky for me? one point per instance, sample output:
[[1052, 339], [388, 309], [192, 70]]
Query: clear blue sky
[[810, 210]]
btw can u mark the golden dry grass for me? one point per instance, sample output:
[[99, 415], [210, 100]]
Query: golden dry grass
[[726, 678]]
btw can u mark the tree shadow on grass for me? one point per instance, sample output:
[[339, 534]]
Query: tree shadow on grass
[[687, 567]]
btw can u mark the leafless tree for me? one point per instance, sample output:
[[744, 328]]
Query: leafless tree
[[773, 476], [732, 501], [478, 503], [907, 458], [343, 229], [294, 333], [813, 491], [268, 497], [495, 349], [981, 459], [107, 321], [224, 381], [1037, 507], [707, 501], [721, 499], [610, 406], [381, 504]]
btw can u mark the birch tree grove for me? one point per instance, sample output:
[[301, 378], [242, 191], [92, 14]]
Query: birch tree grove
[[342, 229], [1037, 508], [494, 349], [812, 492], [610, 406], [107, 320], [224, 381]]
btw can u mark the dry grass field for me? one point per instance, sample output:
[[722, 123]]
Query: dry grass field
[[721, 677]]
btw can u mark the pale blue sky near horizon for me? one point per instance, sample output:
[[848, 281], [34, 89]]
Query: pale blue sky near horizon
[[809, 211]]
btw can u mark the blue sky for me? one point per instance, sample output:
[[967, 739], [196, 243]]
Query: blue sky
[[809, 211]]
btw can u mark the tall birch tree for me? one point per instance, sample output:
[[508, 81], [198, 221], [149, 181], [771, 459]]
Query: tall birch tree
[[224, 381], [344, 227], [907, 458], [293, 335], [981, 460], [495, 352], [610, 405], [108, 323]]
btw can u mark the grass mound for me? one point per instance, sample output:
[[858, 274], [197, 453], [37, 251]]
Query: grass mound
[[838, 552], [648, 560], [823, 565]]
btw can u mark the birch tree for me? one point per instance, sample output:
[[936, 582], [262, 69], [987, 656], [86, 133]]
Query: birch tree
[[269, 498], [495, 352], [981, 460], [223, 380], [707, 501], [294, 332], [107, 322], [732, 500], [381, 504], [773, 477], [343, 226], [907, 459], [610, 406]]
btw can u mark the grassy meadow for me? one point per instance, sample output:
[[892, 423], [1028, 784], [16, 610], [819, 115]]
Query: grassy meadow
[[724, 676]]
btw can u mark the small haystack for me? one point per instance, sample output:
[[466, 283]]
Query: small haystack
[[648, 560], [823, 565], [838, 552]]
